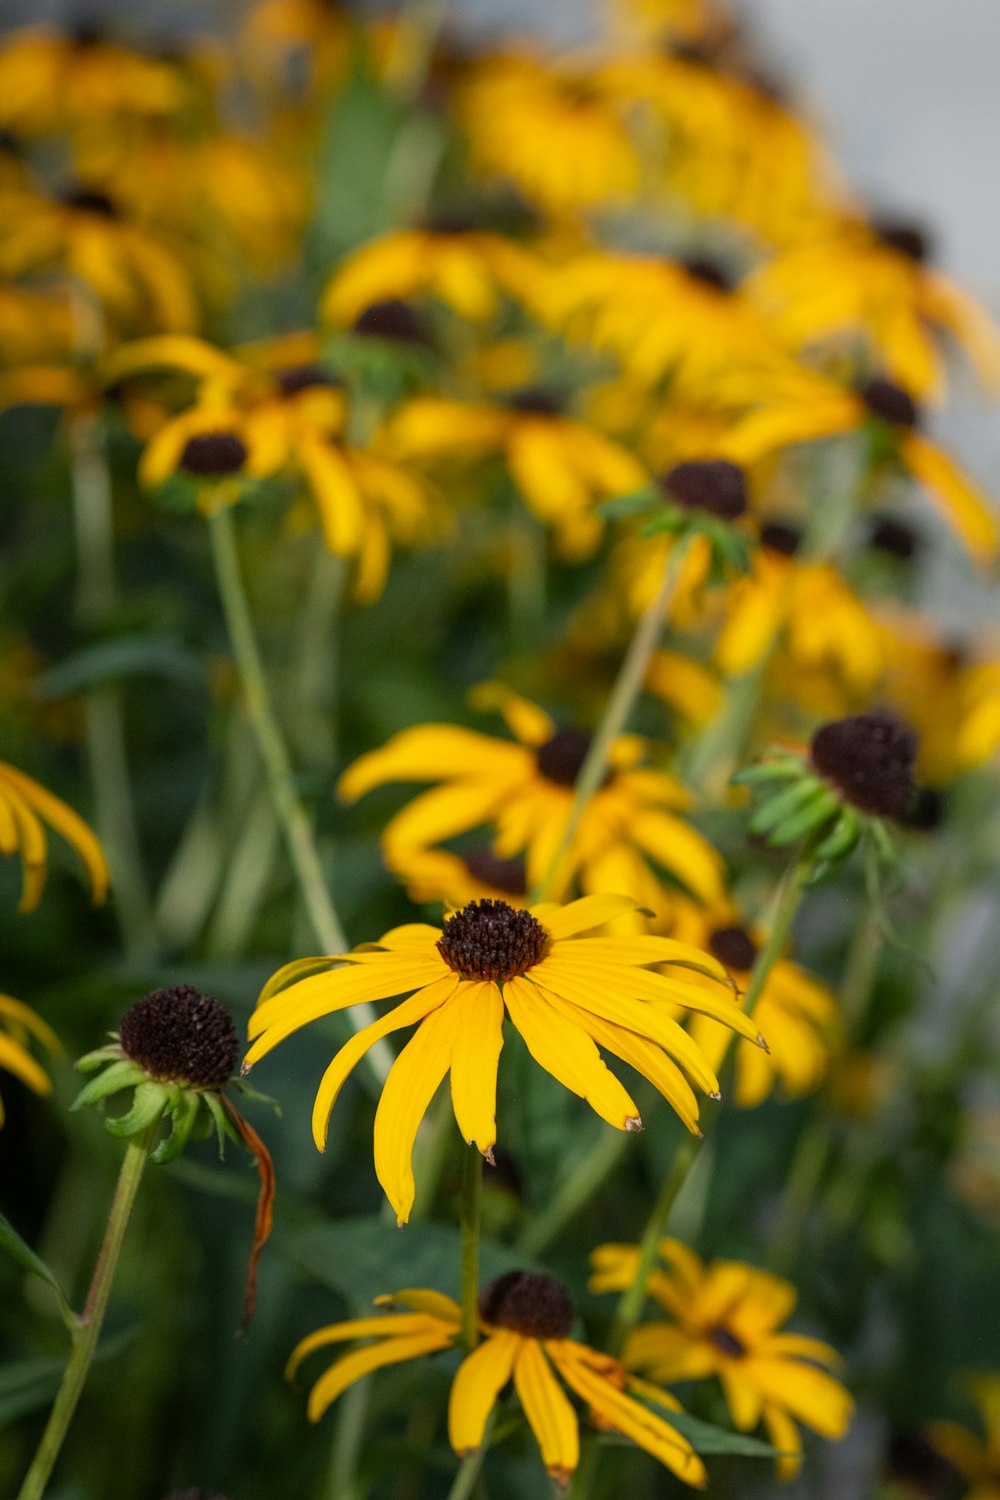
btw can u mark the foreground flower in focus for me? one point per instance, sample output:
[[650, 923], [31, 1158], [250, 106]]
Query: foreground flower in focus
[[18, 1025], [629, 827], [24, 806], [566, 991], [724, 1321], [525, 1319]]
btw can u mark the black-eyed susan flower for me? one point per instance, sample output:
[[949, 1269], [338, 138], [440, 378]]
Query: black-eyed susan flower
[[19, 1027], [140, 284], [814, 407], [796, 1013], [25, 807], [525, 1319], [628, 832], [875, 280], [562, 467], [724, 1319], [55, 82], [976, 1458], [565, 989]]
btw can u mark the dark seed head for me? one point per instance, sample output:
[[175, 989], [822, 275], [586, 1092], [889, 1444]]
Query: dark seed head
[[213, 454], [182, 1036], [394, 320], [888, 535], [528, 1302], [561, 758], [778, 536], [507, 875], [295, 378], [726, 1342], [491, 940], [708, 272], [734, 947], [713, 485], [869, 758], [535, 401], [909, 239], [89, 201], [890, 402]]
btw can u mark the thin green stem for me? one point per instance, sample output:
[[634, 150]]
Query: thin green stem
[[812, 1152], [626, 690], [87, 1329], [472, 1189], [859, 971], [471, 1466], [786, 904]]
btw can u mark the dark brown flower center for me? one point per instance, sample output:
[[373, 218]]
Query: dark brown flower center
[[213, 454], [507, 875], [490, 940], [708, 272], [394, 320], [778, 536], [890, 402], [529, 1303], [561, 758], [734, 947], [295, 378], [726, 1342], [182, 1036], [869, 758], [90, 201], [535, 401], [713, 485], [909, 239], [889, 535]]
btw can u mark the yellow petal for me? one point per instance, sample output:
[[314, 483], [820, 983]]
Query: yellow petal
[[18, 1061], [549, 1413], [72, 827], [564, 1049], [785, 1437], [954, 495], [475, 1057], [386, 1325], [362, 1361], [480, 1379], [582, 915]]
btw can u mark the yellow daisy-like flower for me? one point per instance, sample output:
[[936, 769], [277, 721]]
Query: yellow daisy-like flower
[[796, 1013], [876, 280], [724, 1320], [52, 82], [525, 1321], [18, 1026], [975, 1458], [567, 991], [562, 467], [815, 407], [24, 807], [140, 284], [628, 830], [978, 733]]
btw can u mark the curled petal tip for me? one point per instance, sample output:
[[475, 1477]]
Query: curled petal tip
[[761, 1043], [633, 1124], [245, 1069], [488, 1156], [716, 1096]]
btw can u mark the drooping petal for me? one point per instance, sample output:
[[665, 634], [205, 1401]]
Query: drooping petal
[[385, 1325], [645, 1057], [549, 1413], [324, 994], [785, 1437], [362, 1361], [480, 1379], [475, 1057]]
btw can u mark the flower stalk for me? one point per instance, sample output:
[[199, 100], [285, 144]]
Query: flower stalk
[[471, 1213]]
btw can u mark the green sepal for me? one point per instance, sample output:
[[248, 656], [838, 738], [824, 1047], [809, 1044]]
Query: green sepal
[[91, 1060], [151, 1099], [223, 1125], [123, 1074], [786, 804], [635, 503], [785, 769], [185, 1114], [838, 845], [824, 805]]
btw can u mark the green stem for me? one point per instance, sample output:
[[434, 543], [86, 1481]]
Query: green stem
[[626, 690], [87, 1329], [859, 971], [468, 1474], [786, 904], [472, 1188], [811, 1155]]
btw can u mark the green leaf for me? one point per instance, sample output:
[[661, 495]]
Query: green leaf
[[705, 1438], [125, 656], [18, 1250], [632, 504]]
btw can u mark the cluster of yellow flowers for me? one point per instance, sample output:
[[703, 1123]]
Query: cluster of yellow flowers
[[619, 319]]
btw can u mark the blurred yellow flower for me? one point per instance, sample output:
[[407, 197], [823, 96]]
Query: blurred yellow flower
[[525, 1320], [24, 807], [19, 1025], [724, 1321], [976, 1459], [52, 83], [627, 832], [565, 990]]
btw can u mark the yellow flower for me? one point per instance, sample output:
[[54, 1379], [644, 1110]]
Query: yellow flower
[[33, 325], [280, 34], [561, 467], [978, 1461], [796, 1013], [874, 280], [24, 805], [815, 407], [437, 875], [18, 1025], [525, 1320], [51, 83], [566, 991], [724, 1320], [550, 130], [819, 621], [978, 733], [628, 829], [466, 269], [137, 280]]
